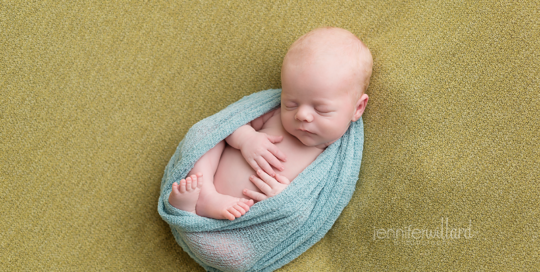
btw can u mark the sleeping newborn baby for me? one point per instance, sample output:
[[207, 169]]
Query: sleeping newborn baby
[[324, 77]]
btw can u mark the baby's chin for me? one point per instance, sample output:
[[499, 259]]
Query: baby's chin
[[324, 145], [312, 143]]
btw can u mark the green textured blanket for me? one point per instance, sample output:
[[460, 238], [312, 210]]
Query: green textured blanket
[[96, 95]]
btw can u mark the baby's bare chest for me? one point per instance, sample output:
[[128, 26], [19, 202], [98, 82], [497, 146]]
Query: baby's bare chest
[[233, 172], [298, 155]]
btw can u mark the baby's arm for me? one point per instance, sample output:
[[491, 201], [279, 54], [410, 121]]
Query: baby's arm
[[258, 123], [258, 148]]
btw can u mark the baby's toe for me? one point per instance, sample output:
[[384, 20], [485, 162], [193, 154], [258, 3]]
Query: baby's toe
[[199, 181], [248, 202], [234, 212], [240, 209], [188, 184], [182, 186], [175, 188], [244, 206], [228, 215], [194, 182]]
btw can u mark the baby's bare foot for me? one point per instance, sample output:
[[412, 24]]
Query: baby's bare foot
[[185, 194], [218, 206]]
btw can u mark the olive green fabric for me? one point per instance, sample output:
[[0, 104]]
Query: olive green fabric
[[96, 95]]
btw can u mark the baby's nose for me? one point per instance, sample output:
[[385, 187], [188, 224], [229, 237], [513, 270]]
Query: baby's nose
[[304, 115]]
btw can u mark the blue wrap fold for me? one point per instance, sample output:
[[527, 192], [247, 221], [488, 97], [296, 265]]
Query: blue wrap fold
[[276, 230]]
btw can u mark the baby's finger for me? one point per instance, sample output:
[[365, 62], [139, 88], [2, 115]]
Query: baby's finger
[[254, 195], [272, 182], [274, 139], [275, 150], [282, 179], [263, 164], [265, 188], [253, 164], [271, 159]]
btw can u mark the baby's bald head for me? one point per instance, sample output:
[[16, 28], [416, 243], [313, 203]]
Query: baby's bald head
[[331, 46]]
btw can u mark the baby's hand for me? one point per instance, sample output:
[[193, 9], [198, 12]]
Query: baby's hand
[[268, 185], [260, 152]]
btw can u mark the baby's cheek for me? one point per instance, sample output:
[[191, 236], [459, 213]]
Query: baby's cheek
[[287, 122], [336, 129]]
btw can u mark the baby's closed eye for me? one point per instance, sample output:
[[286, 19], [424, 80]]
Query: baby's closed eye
[[290, 105], [324, 110]]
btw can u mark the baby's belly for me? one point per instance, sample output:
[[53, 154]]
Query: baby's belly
[[232, 175], [233, 172]]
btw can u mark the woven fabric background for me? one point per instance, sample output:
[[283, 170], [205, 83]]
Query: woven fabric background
[[96, 95]]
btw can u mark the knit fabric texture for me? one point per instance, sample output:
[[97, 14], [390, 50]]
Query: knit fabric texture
[[276, 230]]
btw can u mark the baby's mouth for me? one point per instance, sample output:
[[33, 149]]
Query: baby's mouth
[[305, 130]]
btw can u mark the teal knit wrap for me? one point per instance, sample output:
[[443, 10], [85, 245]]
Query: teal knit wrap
[[274, 231]]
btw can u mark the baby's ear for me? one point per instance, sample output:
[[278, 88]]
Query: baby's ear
[[360, 107]]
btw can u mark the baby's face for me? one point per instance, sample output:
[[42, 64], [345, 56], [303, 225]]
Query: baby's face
[[317, 101]]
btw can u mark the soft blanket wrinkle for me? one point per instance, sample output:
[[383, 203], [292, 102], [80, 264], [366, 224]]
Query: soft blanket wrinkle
[[274, 231]]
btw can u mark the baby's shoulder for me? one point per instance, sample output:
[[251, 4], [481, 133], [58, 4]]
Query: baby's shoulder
[[273, 118], [260, 122]]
